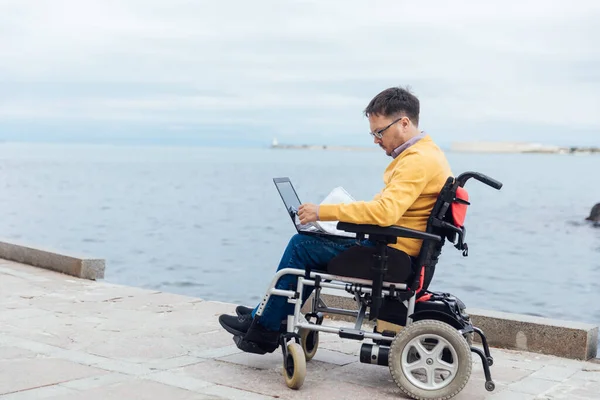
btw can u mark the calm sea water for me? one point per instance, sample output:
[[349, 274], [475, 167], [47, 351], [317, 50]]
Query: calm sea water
[[209, 222]]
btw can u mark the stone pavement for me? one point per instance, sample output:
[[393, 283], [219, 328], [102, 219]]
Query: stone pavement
[[65, 338]]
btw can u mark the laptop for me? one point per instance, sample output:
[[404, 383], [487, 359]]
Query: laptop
[[292, 203]]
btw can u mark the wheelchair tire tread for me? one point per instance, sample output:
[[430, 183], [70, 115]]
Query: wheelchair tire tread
[[297, 358], [426, 326], [309, 349]]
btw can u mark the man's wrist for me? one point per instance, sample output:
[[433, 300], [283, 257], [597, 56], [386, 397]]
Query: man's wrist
[[317, 213]]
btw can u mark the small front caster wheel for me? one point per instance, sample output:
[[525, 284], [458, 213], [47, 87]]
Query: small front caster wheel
[[490, 361], [490, 386], [310, 342], [294, 366]]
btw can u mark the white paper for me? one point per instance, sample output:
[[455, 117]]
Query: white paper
[[336, 196]]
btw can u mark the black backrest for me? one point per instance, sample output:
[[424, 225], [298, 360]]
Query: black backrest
[[431, 251], [441, 222]]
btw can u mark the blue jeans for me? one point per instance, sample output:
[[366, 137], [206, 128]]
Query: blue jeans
[[301, 252]]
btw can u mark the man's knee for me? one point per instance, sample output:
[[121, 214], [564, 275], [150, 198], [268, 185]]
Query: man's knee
[[298, 239]]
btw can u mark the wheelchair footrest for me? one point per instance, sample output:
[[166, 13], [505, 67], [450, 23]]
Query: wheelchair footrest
[[249, 347]]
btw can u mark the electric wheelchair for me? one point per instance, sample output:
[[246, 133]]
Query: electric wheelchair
[[423, 337]]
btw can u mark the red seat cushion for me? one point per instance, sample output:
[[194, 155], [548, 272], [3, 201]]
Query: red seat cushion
[[459, 209]]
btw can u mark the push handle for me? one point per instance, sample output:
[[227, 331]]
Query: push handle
[[464, 177]]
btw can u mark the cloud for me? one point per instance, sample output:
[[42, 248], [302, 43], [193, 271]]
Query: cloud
[[301, 68]]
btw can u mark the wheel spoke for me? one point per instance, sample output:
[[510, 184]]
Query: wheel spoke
[[443, 365], [421, 350], [430, 376], [437, 351], [419, 364]]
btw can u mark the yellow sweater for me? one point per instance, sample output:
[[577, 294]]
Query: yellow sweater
[[412, 181]]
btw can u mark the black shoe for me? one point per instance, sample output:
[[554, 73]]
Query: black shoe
[[250, 347], [262, 337], [236, 325], [241, 310]]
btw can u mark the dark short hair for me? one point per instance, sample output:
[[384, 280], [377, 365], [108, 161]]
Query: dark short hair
[[394, 101]]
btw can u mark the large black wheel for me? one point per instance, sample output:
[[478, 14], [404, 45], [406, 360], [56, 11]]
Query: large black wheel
[[430, 360]]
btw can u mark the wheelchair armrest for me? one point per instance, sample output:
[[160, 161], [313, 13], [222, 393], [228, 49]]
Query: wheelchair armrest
[[390, 231]]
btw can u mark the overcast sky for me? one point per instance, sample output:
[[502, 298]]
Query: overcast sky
[[235, 72]]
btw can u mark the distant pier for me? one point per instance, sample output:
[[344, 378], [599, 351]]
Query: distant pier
[[462, 147], [276, 145], [519, 147], [322, 147]]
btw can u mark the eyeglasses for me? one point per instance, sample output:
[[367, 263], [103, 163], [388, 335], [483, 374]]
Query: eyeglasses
[[379, 134]]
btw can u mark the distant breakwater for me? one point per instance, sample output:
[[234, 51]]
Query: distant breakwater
[[321, 147], [467, 147], [518, 147]]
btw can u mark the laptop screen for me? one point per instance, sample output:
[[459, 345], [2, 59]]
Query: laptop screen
[[288, 195]]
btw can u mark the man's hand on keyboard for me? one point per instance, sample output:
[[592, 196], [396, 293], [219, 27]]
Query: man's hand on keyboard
[[308, 213]]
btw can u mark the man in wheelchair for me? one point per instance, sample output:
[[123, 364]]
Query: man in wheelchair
[[387, 267]]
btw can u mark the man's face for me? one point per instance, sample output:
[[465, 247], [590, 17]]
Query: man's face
[[390, 137]]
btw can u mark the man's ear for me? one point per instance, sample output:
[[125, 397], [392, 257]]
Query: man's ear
[[406, 122]]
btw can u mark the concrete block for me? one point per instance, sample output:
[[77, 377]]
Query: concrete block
[[555, 373], [141, 389], [226, 392], [24, 374], [334, 357], [86, 268], [95, 381], [573, 389], [179, 380], [587, 374], [138, 349], [532, 386], [9, 353], [508, 394], [269, 361], [124, 367], [45, 392], [171, 363], [14, 314], [567, 339], [216, 352]]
